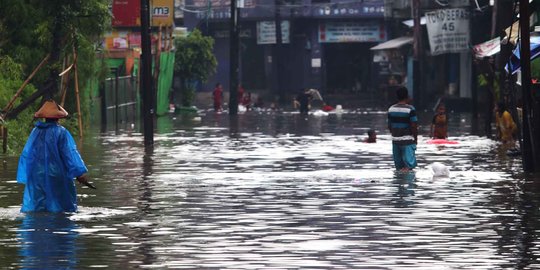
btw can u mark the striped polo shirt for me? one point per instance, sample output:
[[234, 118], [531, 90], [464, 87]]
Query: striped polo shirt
[[400, 117]]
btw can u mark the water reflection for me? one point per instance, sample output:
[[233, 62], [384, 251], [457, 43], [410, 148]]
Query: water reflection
[[405, 183], [267, 190], [48, 241]]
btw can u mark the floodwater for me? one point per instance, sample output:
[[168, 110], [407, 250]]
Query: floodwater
[[274, 190]]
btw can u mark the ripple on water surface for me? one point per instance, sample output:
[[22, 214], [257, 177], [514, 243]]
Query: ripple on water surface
[[283, 192]]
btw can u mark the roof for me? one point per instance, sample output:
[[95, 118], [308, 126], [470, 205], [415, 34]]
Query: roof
[[393, 43]]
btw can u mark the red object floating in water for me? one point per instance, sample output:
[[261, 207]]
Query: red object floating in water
[[441, 141]]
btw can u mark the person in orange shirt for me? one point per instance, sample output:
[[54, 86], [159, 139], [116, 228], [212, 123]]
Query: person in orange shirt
[[439, 124]]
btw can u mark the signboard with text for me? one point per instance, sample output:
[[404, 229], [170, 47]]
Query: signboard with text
[[448, 30], [266, 32], [338, 32], [162, 12], [354, 9]]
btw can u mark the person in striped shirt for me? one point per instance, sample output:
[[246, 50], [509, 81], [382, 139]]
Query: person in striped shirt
[[402, 122]]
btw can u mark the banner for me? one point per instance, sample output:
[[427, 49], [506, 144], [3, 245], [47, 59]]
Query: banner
[[126, 13], [448, 30], [162, 12], [266, 32], [338, 32], [488, 48]]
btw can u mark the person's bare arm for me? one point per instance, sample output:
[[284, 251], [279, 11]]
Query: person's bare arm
[[414, 131]]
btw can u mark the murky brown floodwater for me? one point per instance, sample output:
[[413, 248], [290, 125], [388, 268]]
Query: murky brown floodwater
[[281, 191]]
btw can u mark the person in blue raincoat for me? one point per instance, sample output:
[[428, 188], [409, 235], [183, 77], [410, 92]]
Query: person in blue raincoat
[[48, 164]]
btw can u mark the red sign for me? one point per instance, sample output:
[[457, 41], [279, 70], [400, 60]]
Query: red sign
[[134, 40], [126, 13]]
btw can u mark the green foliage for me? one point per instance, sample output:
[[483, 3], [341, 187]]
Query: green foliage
[[535, 68], [188, 94], [194, 61], [10, 82], [32, 29]]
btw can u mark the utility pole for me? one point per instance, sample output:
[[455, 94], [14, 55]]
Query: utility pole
[[418, 53], [278, 50], [233, 60], [530, 147], [146, 88]]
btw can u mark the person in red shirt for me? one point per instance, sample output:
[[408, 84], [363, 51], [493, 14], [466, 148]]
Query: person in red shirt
[[218, 96], [240, 92], [246, 100]]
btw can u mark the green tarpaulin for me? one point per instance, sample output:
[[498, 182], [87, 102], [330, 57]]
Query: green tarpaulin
[[165, 81]]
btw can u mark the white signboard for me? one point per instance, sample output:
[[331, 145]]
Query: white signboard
[[316, 62], [337, 32], [448, 30], [266, 32]]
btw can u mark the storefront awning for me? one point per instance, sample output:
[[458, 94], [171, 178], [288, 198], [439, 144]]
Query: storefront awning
[[488, 48], [393, 43], [514, 65]]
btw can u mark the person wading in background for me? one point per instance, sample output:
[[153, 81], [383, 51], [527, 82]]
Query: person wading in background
[[402, 123]]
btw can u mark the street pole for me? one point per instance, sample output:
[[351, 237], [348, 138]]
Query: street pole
[[278, 48], [146, 88], [418, 53], [530, 154], [233, 60]]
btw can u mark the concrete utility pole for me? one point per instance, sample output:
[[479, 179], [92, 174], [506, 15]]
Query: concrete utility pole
[[233, 64], [531, 129], [278, 50], [418, 53], [146, 88]]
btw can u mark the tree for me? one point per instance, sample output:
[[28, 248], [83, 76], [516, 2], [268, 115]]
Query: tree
[[194, 62], [32, 29]]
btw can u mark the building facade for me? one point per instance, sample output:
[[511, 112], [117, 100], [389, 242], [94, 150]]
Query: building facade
[[325, 44]]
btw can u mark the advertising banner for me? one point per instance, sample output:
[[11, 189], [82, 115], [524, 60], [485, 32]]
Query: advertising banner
[[337, 32], [448, 30], [266, 32], [126, 13], [488, 48], [353, 9], [134, 40], [162, 12]]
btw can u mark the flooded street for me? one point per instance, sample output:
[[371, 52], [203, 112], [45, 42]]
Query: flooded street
[[274, 190]]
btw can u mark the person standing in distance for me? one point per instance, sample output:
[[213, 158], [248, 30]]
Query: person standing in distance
[[48, 164], [218, 97], [403, 125]]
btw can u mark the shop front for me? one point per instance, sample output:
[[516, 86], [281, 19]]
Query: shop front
[[346, 54]]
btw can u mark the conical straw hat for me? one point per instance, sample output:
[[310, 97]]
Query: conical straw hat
[[50, 109]]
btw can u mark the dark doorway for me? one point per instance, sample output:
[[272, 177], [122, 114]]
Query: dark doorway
[[348, 67]]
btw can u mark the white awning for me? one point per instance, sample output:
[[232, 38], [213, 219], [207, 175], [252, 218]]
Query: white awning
[[410, 23], [393, 43]]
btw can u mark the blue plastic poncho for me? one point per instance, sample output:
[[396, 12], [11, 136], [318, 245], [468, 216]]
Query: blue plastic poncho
[[47, 166]]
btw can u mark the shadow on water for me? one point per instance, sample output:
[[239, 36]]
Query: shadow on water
[[279, 190]]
